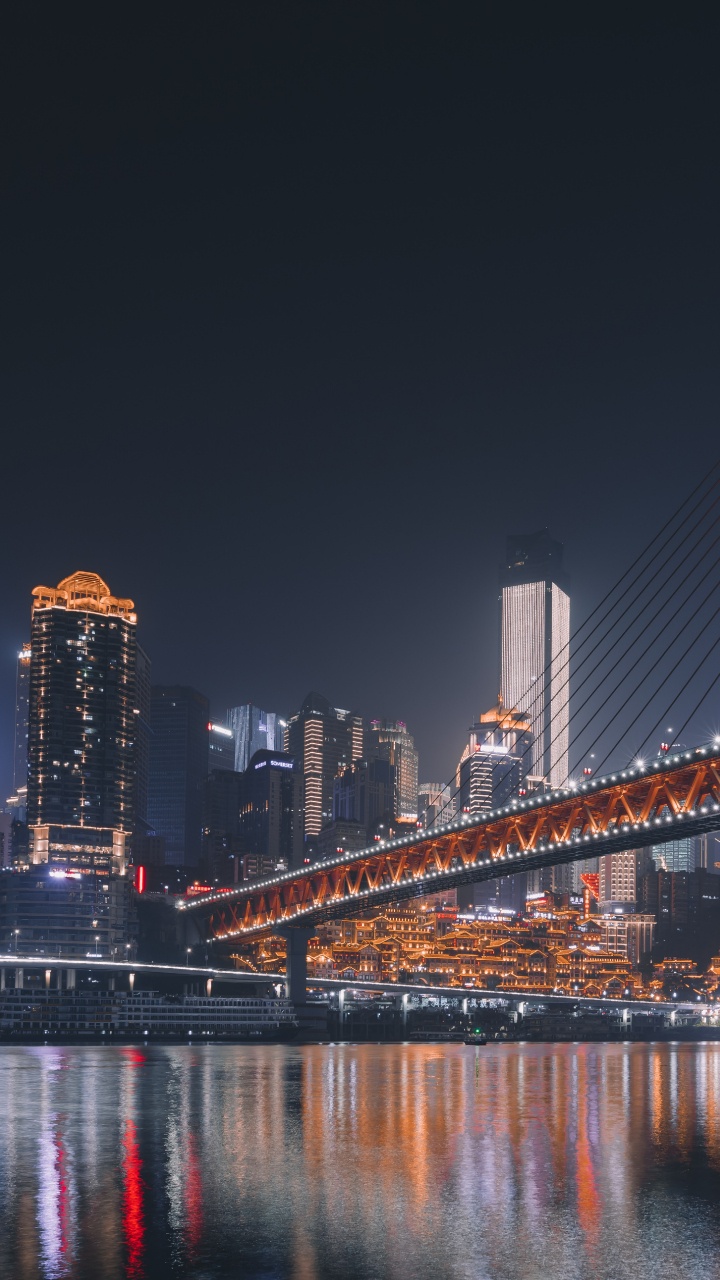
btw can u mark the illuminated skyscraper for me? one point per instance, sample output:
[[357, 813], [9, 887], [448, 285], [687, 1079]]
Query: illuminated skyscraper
[[254, 730], [618, 882], [324, 740], [677, 855], [492, 770], [22, 707], [389, 740], [534, 646], [81, 741]]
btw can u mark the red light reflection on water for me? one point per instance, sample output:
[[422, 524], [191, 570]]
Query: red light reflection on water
[[133, 1218], [133, 1213]]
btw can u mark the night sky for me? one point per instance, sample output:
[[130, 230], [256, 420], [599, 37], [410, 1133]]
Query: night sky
[[307, 306]]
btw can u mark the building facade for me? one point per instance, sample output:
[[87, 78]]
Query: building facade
[[254, 730], [81, 736], [221, 747], [365, 792], [676, 855], [143, 698], [534, 647], [179, 719], [618, 881], [389, 740], [271, 814], [22, 715], [324, 740]]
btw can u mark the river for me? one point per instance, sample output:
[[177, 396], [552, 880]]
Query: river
[[509, 1162]]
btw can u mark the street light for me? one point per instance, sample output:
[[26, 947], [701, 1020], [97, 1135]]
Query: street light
[[97, 939], [16, 932]]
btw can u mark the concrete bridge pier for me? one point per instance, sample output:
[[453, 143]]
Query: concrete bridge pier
[[296, 939]]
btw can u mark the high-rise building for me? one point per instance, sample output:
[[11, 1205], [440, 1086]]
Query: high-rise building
[[271, 815], [676, 855], [325, 740], [389, 740], [254, 730], [365, 792], [708, 852], [22, 709], [618, 881], [496, 760], [436, 803], [221, 748], [81, 741], [534, 647], [222, 845], [143, 685], [178, 770], [492, 770]]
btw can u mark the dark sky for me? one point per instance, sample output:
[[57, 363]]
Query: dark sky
[[307, 306]]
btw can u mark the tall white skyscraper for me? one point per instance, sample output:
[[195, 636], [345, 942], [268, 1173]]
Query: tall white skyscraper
[[534, 647]]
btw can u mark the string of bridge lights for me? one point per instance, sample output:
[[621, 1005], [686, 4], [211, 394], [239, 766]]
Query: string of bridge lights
[[466, 822]]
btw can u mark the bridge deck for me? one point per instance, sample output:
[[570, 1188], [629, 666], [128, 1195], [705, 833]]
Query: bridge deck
[[672, 796]]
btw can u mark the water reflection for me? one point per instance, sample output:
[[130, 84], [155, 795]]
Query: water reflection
[[364, 1161]]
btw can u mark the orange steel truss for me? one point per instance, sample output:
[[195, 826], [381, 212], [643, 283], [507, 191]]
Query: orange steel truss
[[628, 810]]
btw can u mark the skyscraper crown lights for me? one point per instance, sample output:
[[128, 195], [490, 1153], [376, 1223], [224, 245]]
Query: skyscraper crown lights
[[86, 592]]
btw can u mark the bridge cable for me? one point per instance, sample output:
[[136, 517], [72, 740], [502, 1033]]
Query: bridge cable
[[665, 680], [681, 692], [627, 628], [696, 708], [548, 667], [635, 639], [658, 571], [640, 683], [452, 784]]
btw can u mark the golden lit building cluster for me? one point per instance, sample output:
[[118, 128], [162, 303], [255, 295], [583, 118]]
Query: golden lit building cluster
[[560, 952]]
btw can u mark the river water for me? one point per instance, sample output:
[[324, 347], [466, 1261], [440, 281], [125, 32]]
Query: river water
[[574, 1162]]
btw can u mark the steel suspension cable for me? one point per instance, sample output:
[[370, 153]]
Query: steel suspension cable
[[452, 784], [636, 561], [658, 571], [689, 680], [640, 683], [654, 695], [698, 705], [624, 633]]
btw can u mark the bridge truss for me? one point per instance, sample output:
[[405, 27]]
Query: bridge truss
[[669, 798]]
